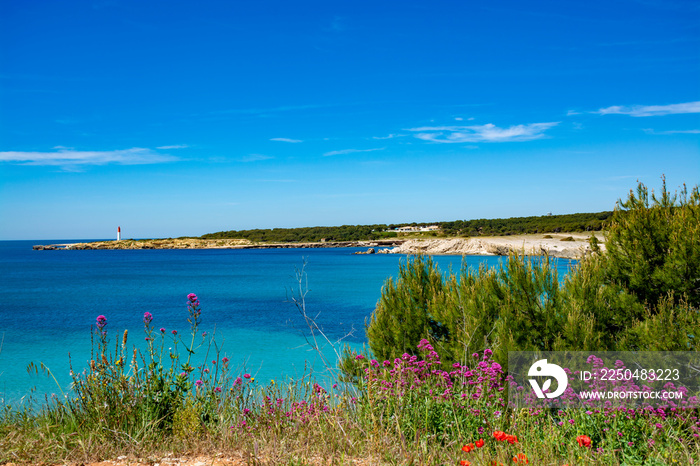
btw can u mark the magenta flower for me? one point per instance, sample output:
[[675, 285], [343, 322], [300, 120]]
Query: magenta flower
[[162, 330], [199, 383], [247, 376], [101, 322], [224, 360], [147, 318], [174, 332]]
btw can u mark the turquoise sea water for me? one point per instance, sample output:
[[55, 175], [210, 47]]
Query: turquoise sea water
[[51, 298]]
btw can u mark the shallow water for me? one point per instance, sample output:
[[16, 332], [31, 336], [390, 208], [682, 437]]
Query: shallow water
[[51, 299]]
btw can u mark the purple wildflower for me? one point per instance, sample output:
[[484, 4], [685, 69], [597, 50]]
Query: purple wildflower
[[101, 322], [147, 318]]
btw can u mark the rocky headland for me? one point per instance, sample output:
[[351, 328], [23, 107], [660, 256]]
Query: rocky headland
[[198, 243], [565, 245]]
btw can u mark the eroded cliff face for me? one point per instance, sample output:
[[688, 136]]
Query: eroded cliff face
[[569, 245]]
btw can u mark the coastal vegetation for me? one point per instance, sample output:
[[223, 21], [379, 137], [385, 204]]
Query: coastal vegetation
[[485, 227], [432, 386], [643, 294]]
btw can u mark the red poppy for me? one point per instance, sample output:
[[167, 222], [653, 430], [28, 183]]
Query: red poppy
[[584, 440], [499, 435], [479, 443], [512, 439], [467, 448], [464, 463], [521, 458]]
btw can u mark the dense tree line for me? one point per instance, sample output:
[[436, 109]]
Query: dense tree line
[[307, 234], [492, 227], [524, 225]]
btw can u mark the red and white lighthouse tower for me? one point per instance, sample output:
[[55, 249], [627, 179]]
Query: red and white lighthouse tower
[[119, 233]]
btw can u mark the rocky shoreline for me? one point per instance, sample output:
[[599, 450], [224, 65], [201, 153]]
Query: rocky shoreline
[[565, 245], [197, 243]]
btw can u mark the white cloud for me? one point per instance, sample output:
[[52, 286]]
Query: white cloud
[[176, 146], [286, 140], [256, 158], [651, 110], [391, 136], [482, 133], [687, 131], [70, 157], [349, 151]]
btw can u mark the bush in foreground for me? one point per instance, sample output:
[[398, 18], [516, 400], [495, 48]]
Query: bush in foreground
[[643, 294]]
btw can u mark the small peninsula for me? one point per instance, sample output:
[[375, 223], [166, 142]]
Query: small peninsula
[[564, 245], [565, 236]]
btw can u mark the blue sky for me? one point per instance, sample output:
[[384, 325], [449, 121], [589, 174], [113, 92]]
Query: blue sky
[[182, 118]]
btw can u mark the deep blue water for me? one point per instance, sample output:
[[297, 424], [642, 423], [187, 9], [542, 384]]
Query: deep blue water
[[50, 299]]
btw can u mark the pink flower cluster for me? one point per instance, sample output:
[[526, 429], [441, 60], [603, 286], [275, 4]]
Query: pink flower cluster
[[405, 375]]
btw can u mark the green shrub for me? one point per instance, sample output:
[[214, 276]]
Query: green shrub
[[653, 245], [643, 294]]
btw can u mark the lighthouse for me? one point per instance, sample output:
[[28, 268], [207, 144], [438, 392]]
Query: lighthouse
[[119, 233]]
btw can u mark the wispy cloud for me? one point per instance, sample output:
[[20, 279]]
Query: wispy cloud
[[255, 158], [349, 151], [650, 110], [286, 140], [176, 146], [482, 133], [71, 157], [679, 131], [391, 136]]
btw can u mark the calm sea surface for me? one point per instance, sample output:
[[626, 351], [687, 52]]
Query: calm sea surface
[[51, 298]]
